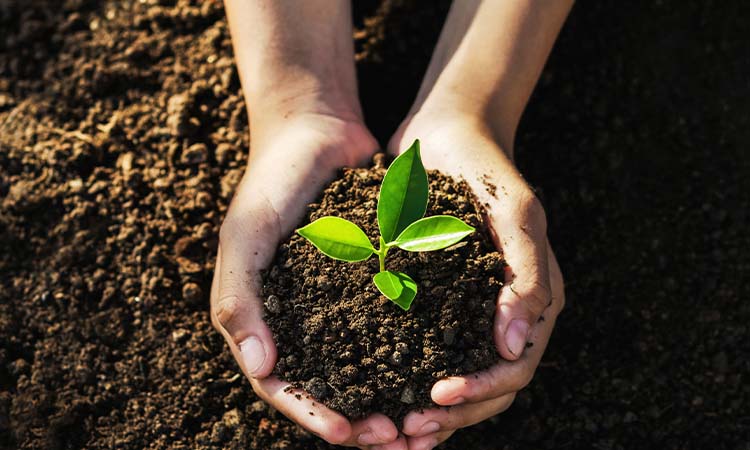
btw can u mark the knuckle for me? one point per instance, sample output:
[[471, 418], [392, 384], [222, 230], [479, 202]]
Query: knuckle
[[524, 379], [532, 211], [536, 297], [226, 312]]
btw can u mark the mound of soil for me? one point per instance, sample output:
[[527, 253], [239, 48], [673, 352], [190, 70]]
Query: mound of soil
[[354, 350], [123, 133]]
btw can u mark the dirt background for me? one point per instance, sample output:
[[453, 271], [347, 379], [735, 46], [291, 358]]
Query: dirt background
[[122, 134]]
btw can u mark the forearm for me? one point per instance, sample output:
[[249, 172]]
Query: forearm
[[294, 56], [489, 58]]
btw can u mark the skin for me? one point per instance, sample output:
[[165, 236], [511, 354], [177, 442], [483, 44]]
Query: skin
[[296, 65], [479, 81]]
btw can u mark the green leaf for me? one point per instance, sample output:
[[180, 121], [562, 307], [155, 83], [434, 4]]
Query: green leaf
[[432, 233], [397, 287], [403, 194], [338, 238]]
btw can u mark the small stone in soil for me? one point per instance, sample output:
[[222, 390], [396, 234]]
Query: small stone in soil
[[449, 335], [195, 154], [273, 305], [180, 334], [258, 406], [291, 361], [192, 293], [324, 284], [316, 387], [407, 396], [225, 152], [383, 351], [349, 373]]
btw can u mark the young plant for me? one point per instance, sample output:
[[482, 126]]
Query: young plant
[[401, 205]]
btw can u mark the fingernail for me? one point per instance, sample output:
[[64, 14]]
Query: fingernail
[[253, 354], [429, 427], [516, 336], [368, 438]]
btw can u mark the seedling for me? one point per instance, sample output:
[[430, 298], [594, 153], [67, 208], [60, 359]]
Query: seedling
[[401, 207]]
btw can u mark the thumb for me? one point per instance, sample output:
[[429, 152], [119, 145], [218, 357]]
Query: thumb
[[237, 311], [526, 292]]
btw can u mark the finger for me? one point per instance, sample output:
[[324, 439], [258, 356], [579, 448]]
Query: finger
[[216, 313], [236, 309], [239, 313], [505, 377], [373, 430], [430, 441], [522, 235], [431, 421], [399, 444], [299, 407]]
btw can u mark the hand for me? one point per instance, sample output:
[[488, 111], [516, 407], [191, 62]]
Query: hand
[[291, 159], [533, 295]]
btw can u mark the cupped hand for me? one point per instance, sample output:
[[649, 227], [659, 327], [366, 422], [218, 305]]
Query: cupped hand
[[533, 294], [290, 161]]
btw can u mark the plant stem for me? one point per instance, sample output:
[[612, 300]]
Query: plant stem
[[382, 251]]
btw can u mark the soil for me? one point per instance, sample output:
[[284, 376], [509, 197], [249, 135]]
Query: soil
[[123, 133], [356, 351]]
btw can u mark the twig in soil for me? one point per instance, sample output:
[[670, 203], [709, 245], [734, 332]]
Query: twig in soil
[[468, 280], [76, 134], [233, 378], [106, 128]]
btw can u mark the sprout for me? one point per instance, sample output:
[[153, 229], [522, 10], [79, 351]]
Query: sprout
[[401, 207]]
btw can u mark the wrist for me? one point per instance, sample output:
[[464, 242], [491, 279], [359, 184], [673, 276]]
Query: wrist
[[459, 115], [332, 140], [280, 104], [294, 57]]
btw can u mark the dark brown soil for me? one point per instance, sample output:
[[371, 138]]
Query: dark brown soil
[[353, 349], [123, 134]]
